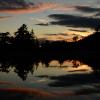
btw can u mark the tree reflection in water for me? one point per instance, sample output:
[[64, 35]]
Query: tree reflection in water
[[24, 66]]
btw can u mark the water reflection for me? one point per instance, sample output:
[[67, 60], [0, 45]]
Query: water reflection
[[71, 66], [74, 80], [56, 67], [50, 77]]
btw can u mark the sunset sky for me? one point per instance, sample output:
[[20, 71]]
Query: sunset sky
[[50, 18]]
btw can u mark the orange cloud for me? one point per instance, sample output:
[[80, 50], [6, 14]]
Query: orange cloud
[[65, 36], [35, 8], [4, 17]]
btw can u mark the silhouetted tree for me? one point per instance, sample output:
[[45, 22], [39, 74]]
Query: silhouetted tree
[[4, 38], [75, 38], [23, 33], [25, 40], [97, 29]]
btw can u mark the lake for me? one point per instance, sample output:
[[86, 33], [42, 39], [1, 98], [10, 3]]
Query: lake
[[67, 80]]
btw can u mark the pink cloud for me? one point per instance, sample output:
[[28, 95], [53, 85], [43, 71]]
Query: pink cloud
[[37, 8], [28, 91], [37, 92], [30, 9], [7, 83]]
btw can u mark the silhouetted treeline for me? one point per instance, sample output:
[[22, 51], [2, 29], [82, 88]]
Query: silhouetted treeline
[[25, 42], [24, 50]]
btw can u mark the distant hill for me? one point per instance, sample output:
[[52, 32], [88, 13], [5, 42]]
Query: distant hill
[[92, 42]]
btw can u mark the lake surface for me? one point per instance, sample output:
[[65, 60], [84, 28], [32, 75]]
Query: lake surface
[[68, 80]]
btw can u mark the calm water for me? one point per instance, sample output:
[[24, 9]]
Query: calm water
[[65, 81]]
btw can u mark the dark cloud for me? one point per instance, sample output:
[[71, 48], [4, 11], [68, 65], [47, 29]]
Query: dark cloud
[[14, 4], [62, 34], [87, 9], [23, 6], [76, 30], [43, 24], [74, 21]]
